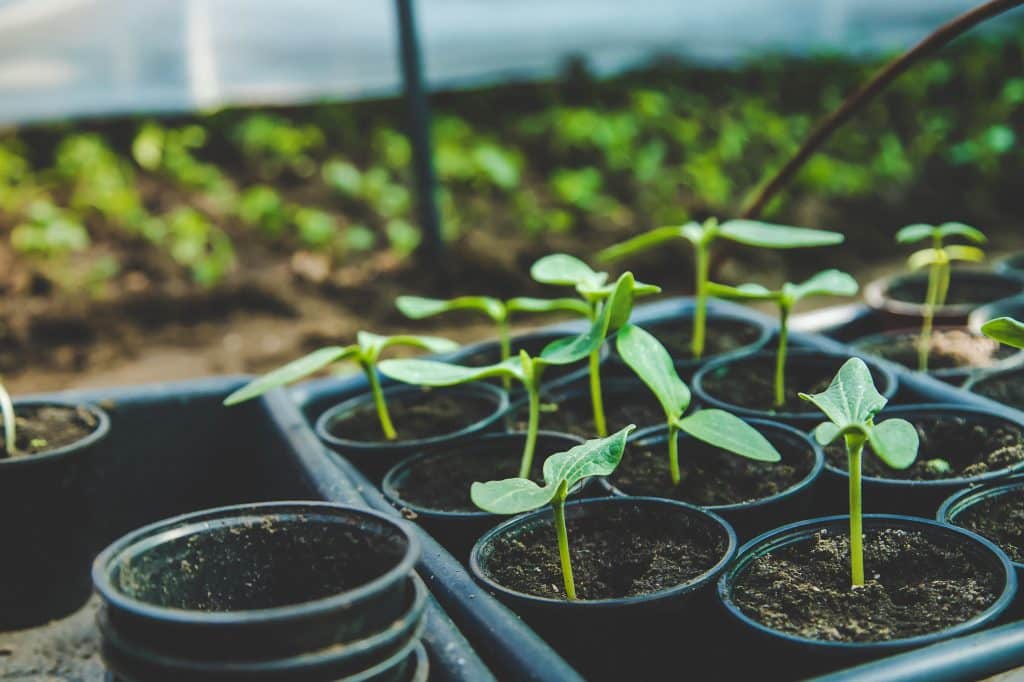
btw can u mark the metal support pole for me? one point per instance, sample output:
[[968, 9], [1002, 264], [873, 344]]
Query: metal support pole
[[418, 112]]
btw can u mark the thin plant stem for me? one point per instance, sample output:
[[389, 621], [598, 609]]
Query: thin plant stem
[[673, 454], [7, 409], [558, 509], [780, 356], [532, 426], [854, 450], [700, 313], [924, 343], [596, 398], [505, 344], [379, 402]]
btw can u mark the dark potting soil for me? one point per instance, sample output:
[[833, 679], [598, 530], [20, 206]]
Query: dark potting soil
[[575, 414], [1000, 518], [915, 584], [973, 291], [43, 428], [416, 416], [624, 552], [971, 448], [1007, 389], [257, 566], [949, 349], [751, 384], [720, 336], [710, 476]]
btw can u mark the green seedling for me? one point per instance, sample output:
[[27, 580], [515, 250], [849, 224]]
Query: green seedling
[[365, 352], [7, 411], [1005, 330], [525, 369], [652, 363], [938, 259], [702, 235], [825, 283], [851, 402], [562, 269], [562, 471]]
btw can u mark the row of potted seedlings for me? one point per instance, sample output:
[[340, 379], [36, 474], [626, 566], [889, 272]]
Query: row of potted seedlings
[[631, 495]]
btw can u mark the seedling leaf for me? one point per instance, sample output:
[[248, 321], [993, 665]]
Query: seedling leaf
[[895, 441], [730, 433], [652, 363], [963, 252], [771, 236], [824, 283], [961, 230], [851, 399], [743, 292], [546, 305], [565, 270], [293, 371], [418, 307], [434, 373], [914, 233], [510, 496], [1005, 330], [596, 457], [826, 432], [640, 243]]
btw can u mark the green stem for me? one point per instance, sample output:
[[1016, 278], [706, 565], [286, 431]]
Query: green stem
[[378, 400], [673, 453], [924, 343], [596, 399], [780, 357], [532, 426], [7, 409], [505, 344], [854, 450], [700, 313], [558, 508]]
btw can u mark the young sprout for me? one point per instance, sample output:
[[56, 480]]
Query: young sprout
[[1005, 330], [653, 364], [851, 403], [525, 369], [365, 352], [825, 283], [7, 411], [561, 269], [702, 235], [938, 258], [562, 471]]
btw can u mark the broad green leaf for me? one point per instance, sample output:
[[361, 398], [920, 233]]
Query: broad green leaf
[[825, 433], [293, 371], [652, 363], [511, 496], [914, 233], [825, 283], [961, 230], [597, 293], [926, 257], [434, 373], [547, 305], [895, 441], [565, 270], [417, 307], [640, 243], [619, 305], [851, 399], [963, 252], [770, 236], [744, 292], [597, 457], [730, 433], [614, 313], [1005, 330]]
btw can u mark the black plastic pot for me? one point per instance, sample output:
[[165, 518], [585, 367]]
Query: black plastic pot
[[751, 518], [46, 524], [1012, 264], [1000, 386], [962, 500], [767, 649], [610, 639], [458, 530], [898, 496], [244, 593], [885, 382], [1006, 307], [374, 458], [899, 300]]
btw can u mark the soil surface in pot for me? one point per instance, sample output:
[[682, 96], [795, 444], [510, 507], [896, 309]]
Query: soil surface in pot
[[971, 448], [916, 583], [1000, 518], [711, 476], [575, 414], [42, 428], [949, 349], [963, 290], [721, 336], [751, 383], [1007, 389], [623, 552], [416, 416], [261, 565]]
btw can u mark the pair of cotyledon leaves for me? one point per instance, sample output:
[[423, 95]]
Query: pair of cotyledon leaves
[[938, 233]]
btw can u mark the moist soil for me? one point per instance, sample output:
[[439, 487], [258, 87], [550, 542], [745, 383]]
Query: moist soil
[[949, 349], [710, 476], [623, 552], [971, 448], [721, 336], [964, 291], [45, 428], [1000, 518], [916, 583], [1007, 389], [416, 416], [575, 414]]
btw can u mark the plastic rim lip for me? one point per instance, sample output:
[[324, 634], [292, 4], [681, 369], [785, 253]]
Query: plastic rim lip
[[764, 335], [1010, 306], [1001, 373], [901, 411], [1012, 360], [107, 559], [705, 578], [389, 490], [876, 292], [798, 532], [649, 434], [704, 396], [99, 433], [1011, 264], [962, 500], [494, 393]]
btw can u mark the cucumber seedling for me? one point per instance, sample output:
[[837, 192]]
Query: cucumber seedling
[[938, 259], [652, 363], [701, 236], [525, 369], [825, 283], [365, 352], [562, 471], [561, 269], [851, 402]]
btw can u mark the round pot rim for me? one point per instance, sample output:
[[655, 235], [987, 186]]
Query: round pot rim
[[1012, 360], [323, 422], [997, 308], [961, 500], [796, 354], [794, 532], [876, 292], [100, 432], [765, 331], [194, 521], [705, 578], [1004, 264], [653, 434], [900, 411], [393, 496], [991, 373]]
